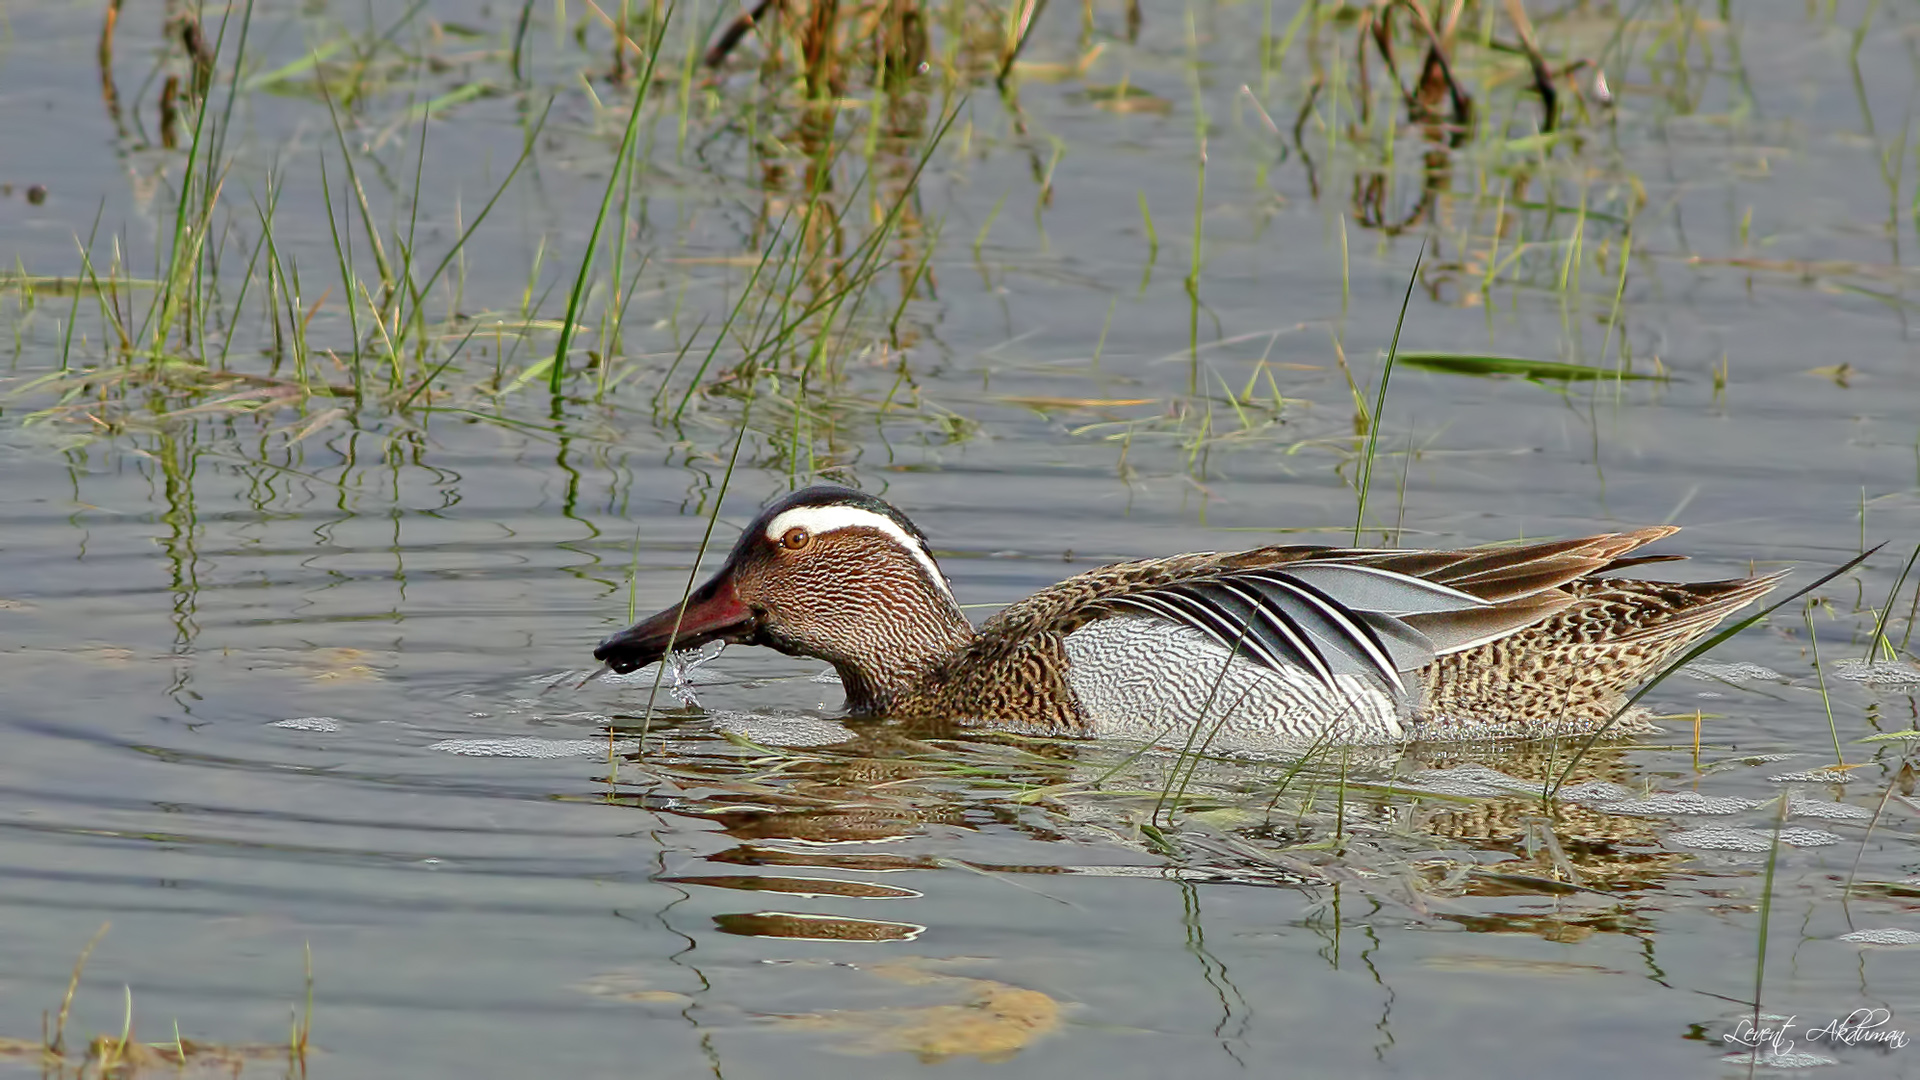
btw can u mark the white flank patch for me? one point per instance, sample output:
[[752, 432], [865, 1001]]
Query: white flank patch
[[820, 520]]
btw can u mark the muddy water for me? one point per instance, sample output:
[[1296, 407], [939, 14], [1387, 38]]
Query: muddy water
[[264, 698]]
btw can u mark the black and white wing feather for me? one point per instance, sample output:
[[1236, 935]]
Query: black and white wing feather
[[1327, 619]]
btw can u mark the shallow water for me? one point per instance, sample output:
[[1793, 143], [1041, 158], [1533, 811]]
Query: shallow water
[[266, 696]]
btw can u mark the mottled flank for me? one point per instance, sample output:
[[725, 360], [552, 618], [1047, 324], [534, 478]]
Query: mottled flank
[[1024, 687], [1274, 646], [1571, 672]]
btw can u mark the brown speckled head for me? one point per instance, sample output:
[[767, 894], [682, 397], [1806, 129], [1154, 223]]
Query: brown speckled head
[[827, 572]]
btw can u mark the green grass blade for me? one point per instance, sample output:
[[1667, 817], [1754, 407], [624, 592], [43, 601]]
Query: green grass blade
[[623, 159], [1485, 366], [1380, 399]]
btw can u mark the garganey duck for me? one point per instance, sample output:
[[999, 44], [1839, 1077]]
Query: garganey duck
[[1274, 646]]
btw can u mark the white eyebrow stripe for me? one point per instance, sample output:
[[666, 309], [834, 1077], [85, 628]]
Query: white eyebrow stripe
[[819, 520]]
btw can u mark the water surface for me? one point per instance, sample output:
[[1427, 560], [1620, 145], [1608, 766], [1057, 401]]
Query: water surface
[[282, 680]]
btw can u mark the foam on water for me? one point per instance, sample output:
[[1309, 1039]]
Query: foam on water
[[1731, 838], [1823, 808], [526, 746], [1790, 1059], [308, 723], [1886, 935], [1877, 672], [1711, 669], [1596, 791], [782, 730], [1467, 780], [1665, 803]]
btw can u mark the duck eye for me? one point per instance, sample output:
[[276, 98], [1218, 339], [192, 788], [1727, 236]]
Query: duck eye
[[795, 539]]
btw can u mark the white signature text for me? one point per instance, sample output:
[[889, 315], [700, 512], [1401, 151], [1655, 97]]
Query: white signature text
[[1859, 1027]]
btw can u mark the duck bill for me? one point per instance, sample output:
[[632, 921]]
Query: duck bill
[[713, 612]]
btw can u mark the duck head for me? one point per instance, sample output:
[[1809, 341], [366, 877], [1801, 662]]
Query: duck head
[[827, 572]]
